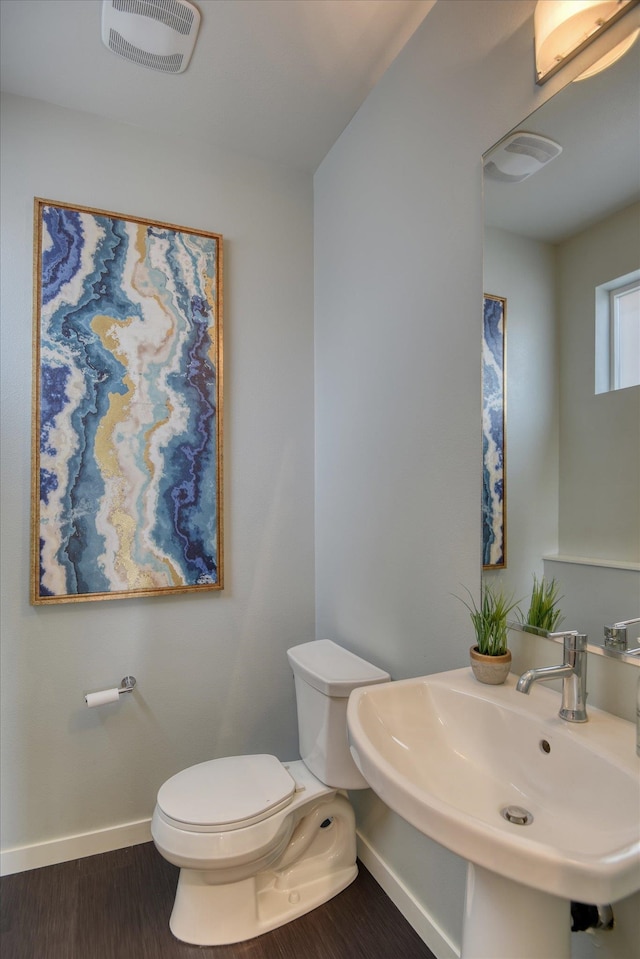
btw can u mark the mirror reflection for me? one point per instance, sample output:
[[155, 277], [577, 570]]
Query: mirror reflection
[[556, 245]]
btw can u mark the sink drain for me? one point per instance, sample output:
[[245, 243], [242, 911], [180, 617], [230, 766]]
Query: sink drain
[[517, 815]]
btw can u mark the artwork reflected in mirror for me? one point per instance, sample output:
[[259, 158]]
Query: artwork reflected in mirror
[[494, 545]]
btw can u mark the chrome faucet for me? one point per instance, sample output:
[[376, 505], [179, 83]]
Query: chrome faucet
[[573, 673], [615, 637]]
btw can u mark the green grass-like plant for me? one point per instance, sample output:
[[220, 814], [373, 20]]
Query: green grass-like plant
[[490, 619], [543, 606]]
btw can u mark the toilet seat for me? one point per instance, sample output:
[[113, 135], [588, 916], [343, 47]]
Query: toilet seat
[[226, 794], [240, 845]]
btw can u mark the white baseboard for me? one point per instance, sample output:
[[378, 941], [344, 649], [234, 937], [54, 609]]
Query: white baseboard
[[21, 858], [412, 910]]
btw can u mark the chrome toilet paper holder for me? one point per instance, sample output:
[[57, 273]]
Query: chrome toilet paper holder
[[104, 696]]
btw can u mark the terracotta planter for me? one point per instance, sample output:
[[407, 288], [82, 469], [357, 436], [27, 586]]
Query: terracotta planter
[[492, 670]]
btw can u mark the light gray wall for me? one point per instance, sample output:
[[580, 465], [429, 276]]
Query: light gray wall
[[398, 253], [599, 433], [212, 673]]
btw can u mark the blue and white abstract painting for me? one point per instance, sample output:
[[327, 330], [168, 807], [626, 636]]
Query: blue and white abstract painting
[[127, 431], [494, 547]]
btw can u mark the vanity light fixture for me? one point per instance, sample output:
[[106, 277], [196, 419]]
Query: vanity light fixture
[[563, 28]]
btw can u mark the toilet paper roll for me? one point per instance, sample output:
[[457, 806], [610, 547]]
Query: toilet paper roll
[[104, 696]]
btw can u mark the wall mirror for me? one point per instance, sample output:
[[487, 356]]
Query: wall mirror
[[573, 455]]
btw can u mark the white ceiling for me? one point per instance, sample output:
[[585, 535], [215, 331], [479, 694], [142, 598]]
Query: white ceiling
[[281, 79], [276, 79]]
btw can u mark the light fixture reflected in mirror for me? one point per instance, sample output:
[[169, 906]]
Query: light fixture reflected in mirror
[[563, 28], [609, 58]]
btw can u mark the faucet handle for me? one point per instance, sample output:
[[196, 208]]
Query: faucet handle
[[615, 637]]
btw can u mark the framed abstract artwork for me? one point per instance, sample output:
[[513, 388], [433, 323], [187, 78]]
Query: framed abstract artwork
[[494, 512], [126, 490]]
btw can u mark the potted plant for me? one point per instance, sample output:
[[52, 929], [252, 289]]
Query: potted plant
[[490, 657], [543, 606]]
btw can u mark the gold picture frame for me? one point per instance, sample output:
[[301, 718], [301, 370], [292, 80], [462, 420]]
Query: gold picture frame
[[127, 481]]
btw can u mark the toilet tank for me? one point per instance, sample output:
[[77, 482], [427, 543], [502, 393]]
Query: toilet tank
[[325, 674]]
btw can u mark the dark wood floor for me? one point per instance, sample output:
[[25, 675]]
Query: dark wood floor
[[117, 906]]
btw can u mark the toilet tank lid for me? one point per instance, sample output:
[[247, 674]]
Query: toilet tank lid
[[331, 669]]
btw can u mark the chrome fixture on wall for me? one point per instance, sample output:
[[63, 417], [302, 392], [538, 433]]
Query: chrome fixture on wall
[[105, 696], [615, 636]]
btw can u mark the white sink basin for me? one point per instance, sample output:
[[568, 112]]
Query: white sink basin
[[448, 754]]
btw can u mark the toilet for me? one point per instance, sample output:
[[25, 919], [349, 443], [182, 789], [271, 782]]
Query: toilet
[[260, 842]]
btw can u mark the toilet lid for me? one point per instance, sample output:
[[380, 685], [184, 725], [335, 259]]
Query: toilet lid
[[229, 793]]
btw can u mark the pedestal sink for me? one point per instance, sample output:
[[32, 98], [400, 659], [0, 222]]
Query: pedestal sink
[[544, 811]]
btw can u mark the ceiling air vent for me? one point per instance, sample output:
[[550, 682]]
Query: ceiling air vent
[[158, 34], [520, 155]]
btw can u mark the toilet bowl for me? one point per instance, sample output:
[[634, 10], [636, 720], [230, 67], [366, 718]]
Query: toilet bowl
[[260, 842]]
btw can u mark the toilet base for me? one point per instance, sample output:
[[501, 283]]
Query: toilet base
[[318, 863], [220, 915]]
